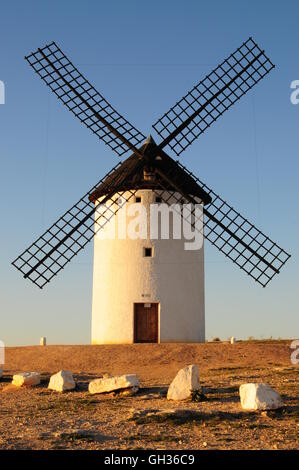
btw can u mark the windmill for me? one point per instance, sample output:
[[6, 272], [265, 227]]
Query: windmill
[[137, 296]]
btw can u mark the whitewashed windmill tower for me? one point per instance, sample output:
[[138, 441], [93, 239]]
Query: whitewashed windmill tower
[[144, 289], [150, 289]]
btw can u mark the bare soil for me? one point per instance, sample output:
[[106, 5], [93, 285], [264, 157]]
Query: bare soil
[[37, 418]]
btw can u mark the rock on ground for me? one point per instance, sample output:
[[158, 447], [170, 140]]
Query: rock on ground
[[259, 396], [185, 382], [174, 416], [62, 381], [27, 379], [127, 392], [118, 382]]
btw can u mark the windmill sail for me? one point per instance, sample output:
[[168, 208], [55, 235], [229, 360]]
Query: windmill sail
[[49, 254], [233, 235], [83, 100], [225, 228], [211, 97]]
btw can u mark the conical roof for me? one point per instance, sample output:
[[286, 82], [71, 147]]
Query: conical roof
[[134, 173]]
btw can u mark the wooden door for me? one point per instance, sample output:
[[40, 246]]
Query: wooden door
[[146, 323]]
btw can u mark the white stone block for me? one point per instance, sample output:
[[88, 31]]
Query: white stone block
[[110, 384], [232, 340], [185, 382], [62, 381], [43, 341], [259, 396], [27, 379]]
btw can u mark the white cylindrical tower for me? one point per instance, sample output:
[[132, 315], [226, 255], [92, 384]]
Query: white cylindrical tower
[[146, 290]]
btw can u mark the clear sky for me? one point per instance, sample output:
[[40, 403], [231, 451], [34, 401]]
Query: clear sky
[[143, 56]]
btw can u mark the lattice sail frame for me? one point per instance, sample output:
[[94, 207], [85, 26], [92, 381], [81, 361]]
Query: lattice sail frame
[[50, 253], [225, 228], [211, 97], [254, 252], [81, 98]]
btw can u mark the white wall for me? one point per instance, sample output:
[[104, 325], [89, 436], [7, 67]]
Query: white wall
[[173, 277]]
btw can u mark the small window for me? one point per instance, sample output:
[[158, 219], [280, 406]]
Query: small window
[[138, 199], [147, 252], [158, 199]]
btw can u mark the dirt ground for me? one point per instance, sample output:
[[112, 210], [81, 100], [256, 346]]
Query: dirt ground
[[37, 418]]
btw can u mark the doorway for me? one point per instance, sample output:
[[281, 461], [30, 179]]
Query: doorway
[[146, 323]]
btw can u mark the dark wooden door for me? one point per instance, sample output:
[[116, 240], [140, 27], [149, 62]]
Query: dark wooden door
[[146, 323]]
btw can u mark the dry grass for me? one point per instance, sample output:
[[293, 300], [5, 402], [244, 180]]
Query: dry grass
[[41, 419]]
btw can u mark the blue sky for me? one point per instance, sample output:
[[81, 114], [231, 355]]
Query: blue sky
[[143, 56]]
